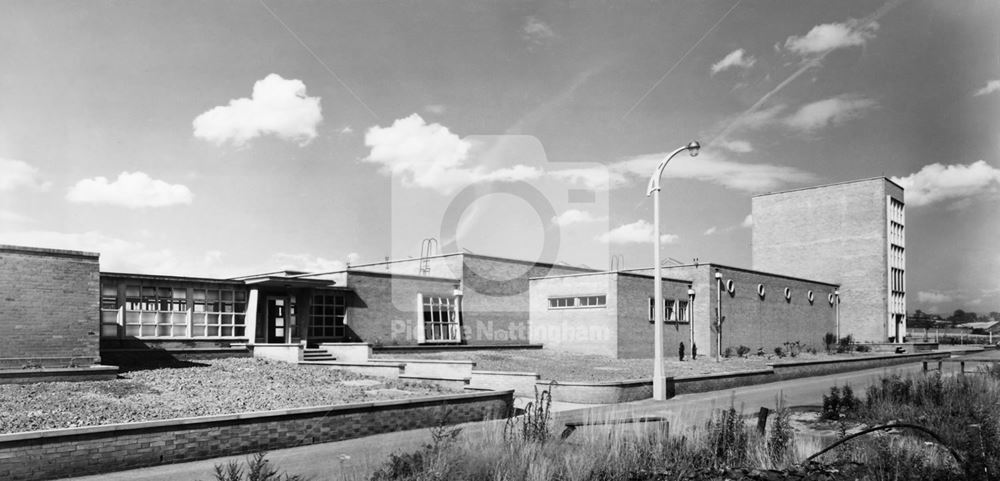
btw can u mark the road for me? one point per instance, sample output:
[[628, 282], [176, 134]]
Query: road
[[358, 458]]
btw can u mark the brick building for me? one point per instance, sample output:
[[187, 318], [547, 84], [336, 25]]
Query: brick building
[[850, 233]]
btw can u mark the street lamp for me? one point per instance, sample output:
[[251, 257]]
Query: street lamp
[[690, 313], [659, 381], [718, 316], [836, 308]]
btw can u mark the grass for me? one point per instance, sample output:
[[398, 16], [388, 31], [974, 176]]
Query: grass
[[222, 386], [567, 367]]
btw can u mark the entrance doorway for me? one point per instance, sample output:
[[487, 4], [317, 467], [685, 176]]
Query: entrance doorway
[[280, 319]]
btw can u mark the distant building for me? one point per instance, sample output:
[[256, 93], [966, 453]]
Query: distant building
[[849, 233]]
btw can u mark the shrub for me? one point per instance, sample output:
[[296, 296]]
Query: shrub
[[811, 349], [729, 352], [760, 351], [844, 344], [840, 403], [829, 340], [779, 351], [793, 348], [742, 351], [863, 348], [779, 440], [258, 468]]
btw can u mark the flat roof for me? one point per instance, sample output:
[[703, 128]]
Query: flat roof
[[603, 273], [712, 265], [357, 267], [161, 277], [870, 179], [47, 251]]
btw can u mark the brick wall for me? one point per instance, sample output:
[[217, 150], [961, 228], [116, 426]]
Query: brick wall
[[635, 331], [834, 233], [49, 310], [81, 451], [384, 306], [583, 330]]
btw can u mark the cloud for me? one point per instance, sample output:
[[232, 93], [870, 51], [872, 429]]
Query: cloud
[[17, 174], [639, 232], [737, 146], [710, 231], [714, 167], [829, 112], [574, 216], [132, 190], [277, 106], [827, 37], [353, 258], [431, 156], [991, 86], [938, 183], [734, 59], [933, 297], [306, 262], [536, 31], [346, 130], [756, 119], [747, 221]]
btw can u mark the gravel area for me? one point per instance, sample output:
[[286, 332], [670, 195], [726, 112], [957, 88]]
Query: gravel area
[[567, 367], [222, 386]]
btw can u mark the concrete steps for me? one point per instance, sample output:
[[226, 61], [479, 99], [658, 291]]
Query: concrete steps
[[317, 354]]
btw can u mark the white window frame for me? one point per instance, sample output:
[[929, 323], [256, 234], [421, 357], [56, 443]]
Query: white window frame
[[672, 311], [593, 301], [449, 308]]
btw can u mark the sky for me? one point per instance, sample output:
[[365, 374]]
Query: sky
[[226, 138]]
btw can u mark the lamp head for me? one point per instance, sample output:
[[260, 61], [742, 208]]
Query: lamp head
[[694, 147], [836, 292], [718, 276], [690, 291]]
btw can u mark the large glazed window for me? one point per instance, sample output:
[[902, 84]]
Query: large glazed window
[[674, 311], [165, 311], [440, 318], [328, 316]]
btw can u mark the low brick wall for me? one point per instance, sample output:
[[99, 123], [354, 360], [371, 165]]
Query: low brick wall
[[60, 453], [717, 382], [90, 373], [523, 383], [794, 370], [599, 392], [376, 369]]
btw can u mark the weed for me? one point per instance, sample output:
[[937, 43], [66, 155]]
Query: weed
[[535, 425], [257, 468]]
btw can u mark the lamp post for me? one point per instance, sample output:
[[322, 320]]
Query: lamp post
[[691, 319], [718, 316], [836, 309], [659, 382]]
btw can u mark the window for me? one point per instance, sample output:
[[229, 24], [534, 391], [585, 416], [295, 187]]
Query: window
[[440, 316], [673, 310], [328, 315], [152, 311], [218, 313], [109, 310], [581, 301]]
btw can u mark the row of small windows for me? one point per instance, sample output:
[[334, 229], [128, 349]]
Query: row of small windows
[[896, 212], [578, 301], [897, 280], [896, 235]]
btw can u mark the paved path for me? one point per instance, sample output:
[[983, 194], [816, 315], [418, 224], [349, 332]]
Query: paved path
[[357, 458]]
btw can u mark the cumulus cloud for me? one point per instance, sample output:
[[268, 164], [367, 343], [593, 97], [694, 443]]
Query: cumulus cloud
[[737, 146], [536, 31], [132, 190], [933, 297], [710, 231], [938, 183], [829, 112], [991, 86], [19, 174], [734, 59], [276, 106], [639, 232], [575, 216], [832, 36], [431, 156]]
